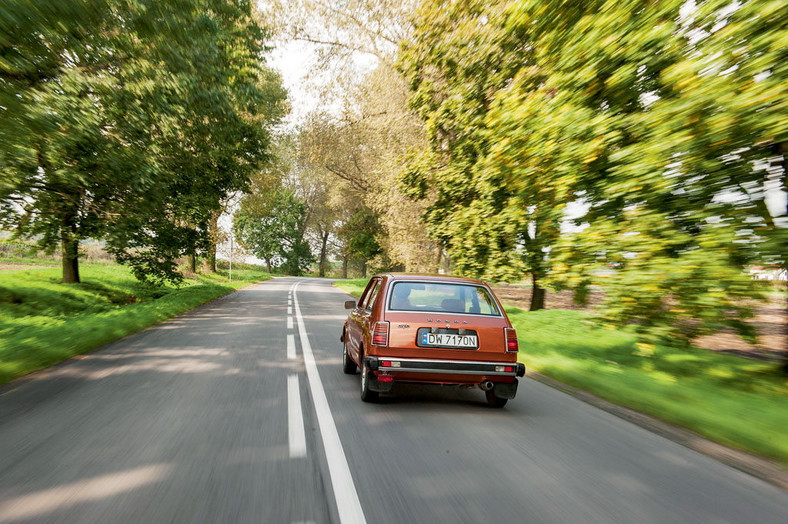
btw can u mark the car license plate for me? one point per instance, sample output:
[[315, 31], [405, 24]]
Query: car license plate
[[447, 340]]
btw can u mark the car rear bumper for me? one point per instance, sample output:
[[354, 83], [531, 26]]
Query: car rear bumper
[[449, 367]]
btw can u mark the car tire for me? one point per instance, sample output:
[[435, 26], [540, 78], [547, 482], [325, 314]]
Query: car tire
[[495, 402], [348, 366], [367, 395]]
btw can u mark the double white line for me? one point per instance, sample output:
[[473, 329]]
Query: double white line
[[348, 504]]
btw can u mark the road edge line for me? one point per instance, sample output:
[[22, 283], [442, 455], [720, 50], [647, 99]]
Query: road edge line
[[345, 494]]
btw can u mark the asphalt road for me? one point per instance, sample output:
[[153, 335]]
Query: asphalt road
[[217, 417]]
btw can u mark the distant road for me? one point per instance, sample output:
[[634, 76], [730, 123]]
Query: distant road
[[239, 412]]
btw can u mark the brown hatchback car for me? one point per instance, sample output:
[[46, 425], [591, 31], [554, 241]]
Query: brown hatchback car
[[430, 329]]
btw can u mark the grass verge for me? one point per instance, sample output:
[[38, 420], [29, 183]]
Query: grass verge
[[355, 286], [739, 402], [43, 321]]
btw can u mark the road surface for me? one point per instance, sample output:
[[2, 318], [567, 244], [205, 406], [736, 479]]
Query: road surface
[[239, 412]]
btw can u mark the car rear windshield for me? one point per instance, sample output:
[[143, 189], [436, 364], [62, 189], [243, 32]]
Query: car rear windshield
[[442, 298]]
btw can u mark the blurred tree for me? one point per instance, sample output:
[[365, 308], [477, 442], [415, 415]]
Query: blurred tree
[[360, 153], [662, 118], [495, 223], [76, 158], [135, 120], [228, 103]]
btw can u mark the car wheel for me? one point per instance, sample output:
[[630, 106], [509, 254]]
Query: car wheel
[[495, 402], [367, 395], [348, 366]]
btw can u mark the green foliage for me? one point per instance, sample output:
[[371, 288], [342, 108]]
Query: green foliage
[[650, 121], [355, 286], [736, 401], [43, 321], [662, 122], [361, 230], [130, 120], [497, 218], [272, 228]]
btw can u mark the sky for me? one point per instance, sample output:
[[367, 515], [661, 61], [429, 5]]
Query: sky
[[294, 60]]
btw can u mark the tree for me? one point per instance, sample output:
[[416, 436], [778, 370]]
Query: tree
[[230, 102], [363, 143], [495, 224], [661, 121], [360, 232], [62, 168], [273, 230], [343, 29], [141, 117]]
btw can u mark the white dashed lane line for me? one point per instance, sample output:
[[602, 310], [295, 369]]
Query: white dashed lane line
[[295, 419], [291, 351]]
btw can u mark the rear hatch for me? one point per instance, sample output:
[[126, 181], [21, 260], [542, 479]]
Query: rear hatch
[[447, 336]]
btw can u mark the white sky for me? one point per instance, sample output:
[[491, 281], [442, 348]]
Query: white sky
[[294, 61]]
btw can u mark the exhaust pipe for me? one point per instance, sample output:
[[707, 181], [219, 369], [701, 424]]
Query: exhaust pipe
[[487, 385]]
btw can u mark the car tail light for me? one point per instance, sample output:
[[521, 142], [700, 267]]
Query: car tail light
[[511, 340], [380, 334]]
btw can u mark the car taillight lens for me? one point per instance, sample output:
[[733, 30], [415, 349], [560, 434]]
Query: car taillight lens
[[380, 334], [511, 340]]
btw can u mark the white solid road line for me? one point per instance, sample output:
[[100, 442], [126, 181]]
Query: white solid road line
[[296, 436], [291, 354], [348, 504]]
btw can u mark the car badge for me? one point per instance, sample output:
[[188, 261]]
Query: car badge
[[448, 325]]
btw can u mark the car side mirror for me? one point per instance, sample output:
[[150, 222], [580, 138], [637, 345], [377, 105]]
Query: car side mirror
[[350, 304]]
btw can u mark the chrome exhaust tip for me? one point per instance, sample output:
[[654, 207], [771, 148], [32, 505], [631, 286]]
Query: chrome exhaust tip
[[487, 385]]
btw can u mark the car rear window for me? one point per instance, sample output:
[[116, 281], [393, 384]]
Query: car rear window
[[442, 298]]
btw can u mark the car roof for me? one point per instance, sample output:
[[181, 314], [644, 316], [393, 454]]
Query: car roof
[[426, 277]]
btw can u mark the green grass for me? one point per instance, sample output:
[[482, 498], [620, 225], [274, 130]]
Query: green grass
[[354, 287], [729, 399], [736, 401], [43, 322]]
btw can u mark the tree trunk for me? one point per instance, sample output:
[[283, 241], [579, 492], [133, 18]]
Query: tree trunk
[[439, 250], [70, 258], [537, 296], [785, 360], [363, 269], [344, 266], [780, 151], [213, 238], [323, 249], [192, 258], [268, 264], [211, 258]]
